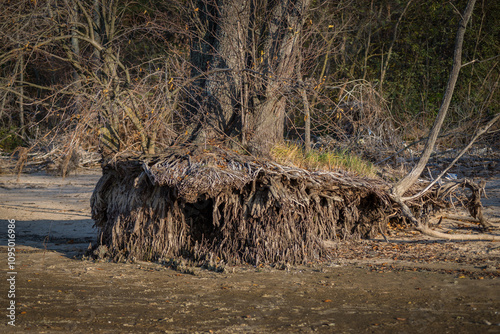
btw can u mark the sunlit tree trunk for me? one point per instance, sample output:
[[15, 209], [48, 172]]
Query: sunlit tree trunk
[[402, 186]]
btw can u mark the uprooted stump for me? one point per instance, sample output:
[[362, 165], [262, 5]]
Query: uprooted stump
[[216, 205]]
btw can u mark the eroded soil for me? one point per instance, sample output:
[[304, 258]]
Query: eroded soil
[[410, 284]]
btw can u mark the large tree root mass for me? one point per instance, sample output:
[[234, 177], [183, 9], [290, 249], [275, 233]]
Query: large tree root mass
[[213, 205]]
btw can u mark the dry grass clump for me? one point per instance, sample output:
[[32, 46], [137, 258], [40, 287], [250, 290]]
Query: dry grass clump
[[292, 154]]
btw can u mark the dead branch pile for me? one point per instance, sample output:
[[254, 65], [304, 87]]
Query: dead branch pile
[[55, 160], [215, 205]]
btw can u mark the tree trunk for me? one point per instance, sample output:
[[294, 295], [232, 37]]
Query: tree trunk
[[282, 49], [385, 64], [21, 91], [21, 96], [252, 40], [402, 186], [218, 94]]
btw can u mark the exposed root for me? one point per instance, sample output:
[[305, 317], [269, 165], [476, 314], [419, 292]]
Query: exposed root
[[457, 237], [215, 206], [474, 206], [473, 203]]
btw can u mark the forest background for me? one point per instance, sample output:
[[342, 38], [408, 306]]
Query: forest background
[[115, 76]]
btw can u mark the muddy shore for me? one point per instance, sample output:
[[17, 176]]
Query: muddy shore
[[410, 284]]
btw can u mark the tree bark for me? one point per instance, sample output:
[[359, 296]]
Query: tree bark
[[21, 89], [402, 186], [217, 96], [258, 42]]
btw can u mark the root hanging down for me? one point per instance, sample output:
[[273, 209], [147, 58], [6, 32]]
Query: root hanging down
[[215, 204], [209, 204]]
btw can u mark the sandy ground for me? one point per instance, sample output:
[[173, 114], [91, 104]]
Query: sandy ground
[[410, 284]]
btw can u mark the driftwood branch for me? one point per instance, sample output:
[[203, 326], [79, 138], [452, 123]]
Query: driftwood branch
[[424, 229]]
